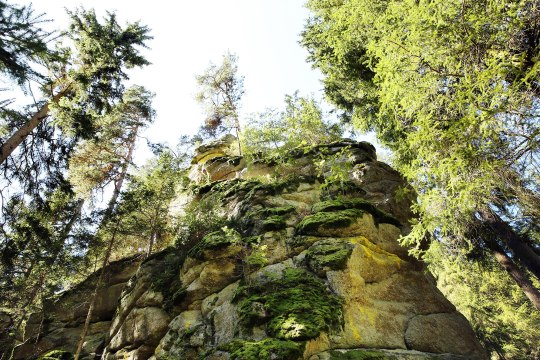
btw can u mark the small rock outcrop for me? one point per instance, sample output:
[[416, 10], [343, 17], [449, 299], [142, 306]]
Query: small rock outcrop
[[308, 267]]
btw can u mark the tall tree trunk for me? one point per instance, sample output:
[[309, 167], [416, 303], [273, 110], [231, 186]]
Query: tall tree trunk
[[18, 137], [121, 177], [237, 129], [106, 218], [519, 247], [94, 297], [519, 276]]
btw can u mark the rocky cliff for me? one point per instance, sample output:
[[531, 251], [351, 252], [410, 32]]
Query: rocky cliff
[[308, 266]]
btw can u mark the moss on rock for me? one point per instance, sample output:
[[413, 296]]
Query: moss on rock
[[249, 189], [57, 355], [267, 349], [273, 223], [328, 255], [213, 241], [360, 354], [265, 219], [165, 278], [295, 306], [335, 205], [311, 224]]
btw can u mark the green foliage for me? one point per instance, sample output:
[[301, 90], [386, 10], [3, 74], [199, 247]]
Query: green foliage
[[295, 306], [451, 87], [144, 206], [453, 97], [99, 161], [23, 42], [273, 133], [505, 323], [94, 82], [267, 349], [199, 218], [335, 168]]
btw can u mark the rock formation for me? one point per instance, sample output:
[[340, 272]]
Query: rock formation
[[308, 267]]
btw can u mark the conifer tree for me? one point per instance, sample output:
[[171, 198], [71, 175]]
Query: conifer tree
[[23, 42], [220, 92], [452, 88], [91, 81]]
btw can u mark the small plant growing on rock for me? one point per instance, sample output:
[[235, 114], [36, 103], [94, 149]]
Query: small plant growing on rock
[[335, 169]]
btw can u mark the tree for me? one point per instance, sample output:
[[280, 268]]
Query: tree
[[133, 113], [22, 42], [504, 322], [220, 92], [102, 160], [144, 206], [92, 81], [452, 88], [301, 123]]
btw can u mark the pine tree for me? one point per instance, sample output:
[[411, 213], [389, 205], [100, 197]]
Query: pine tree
[[220, 92]]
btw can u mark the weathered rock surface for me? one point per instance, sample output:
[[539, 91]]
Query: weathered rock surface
[[302, 271], [60, 324]]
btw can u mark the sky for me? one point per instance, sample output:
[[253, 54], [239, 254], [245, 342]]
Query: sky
[[264, 34]]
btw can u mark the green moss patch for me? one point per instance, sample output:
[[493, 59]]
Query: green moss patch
[[165, 277], [360, 354], [213, 241], [249, 189], [267, 349], [311, 224], [265, 219], [273, 223], [280, 211], [56, 355], [334, 205], [295, 306], [232, 160], [328, 255]]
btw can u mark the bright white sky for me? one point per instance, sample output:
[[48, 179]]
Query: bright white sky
[[189, 34]]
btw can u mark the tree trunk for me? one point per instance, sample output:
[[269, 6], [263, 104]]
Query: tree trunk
[[521, 250], [94, 297], [519, 276], [151, 241], [123, 172], [18, 137], [106, 217], [237, 128]]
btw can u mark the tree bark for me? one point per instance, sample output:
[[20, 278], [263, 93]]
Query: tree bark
[[94, 297], [519, 276], [108, 213], [521, 250], [151, 241], [18, 137]]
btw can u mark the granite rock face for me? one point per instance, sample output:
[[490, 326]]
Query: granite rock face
[[308, 267]]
